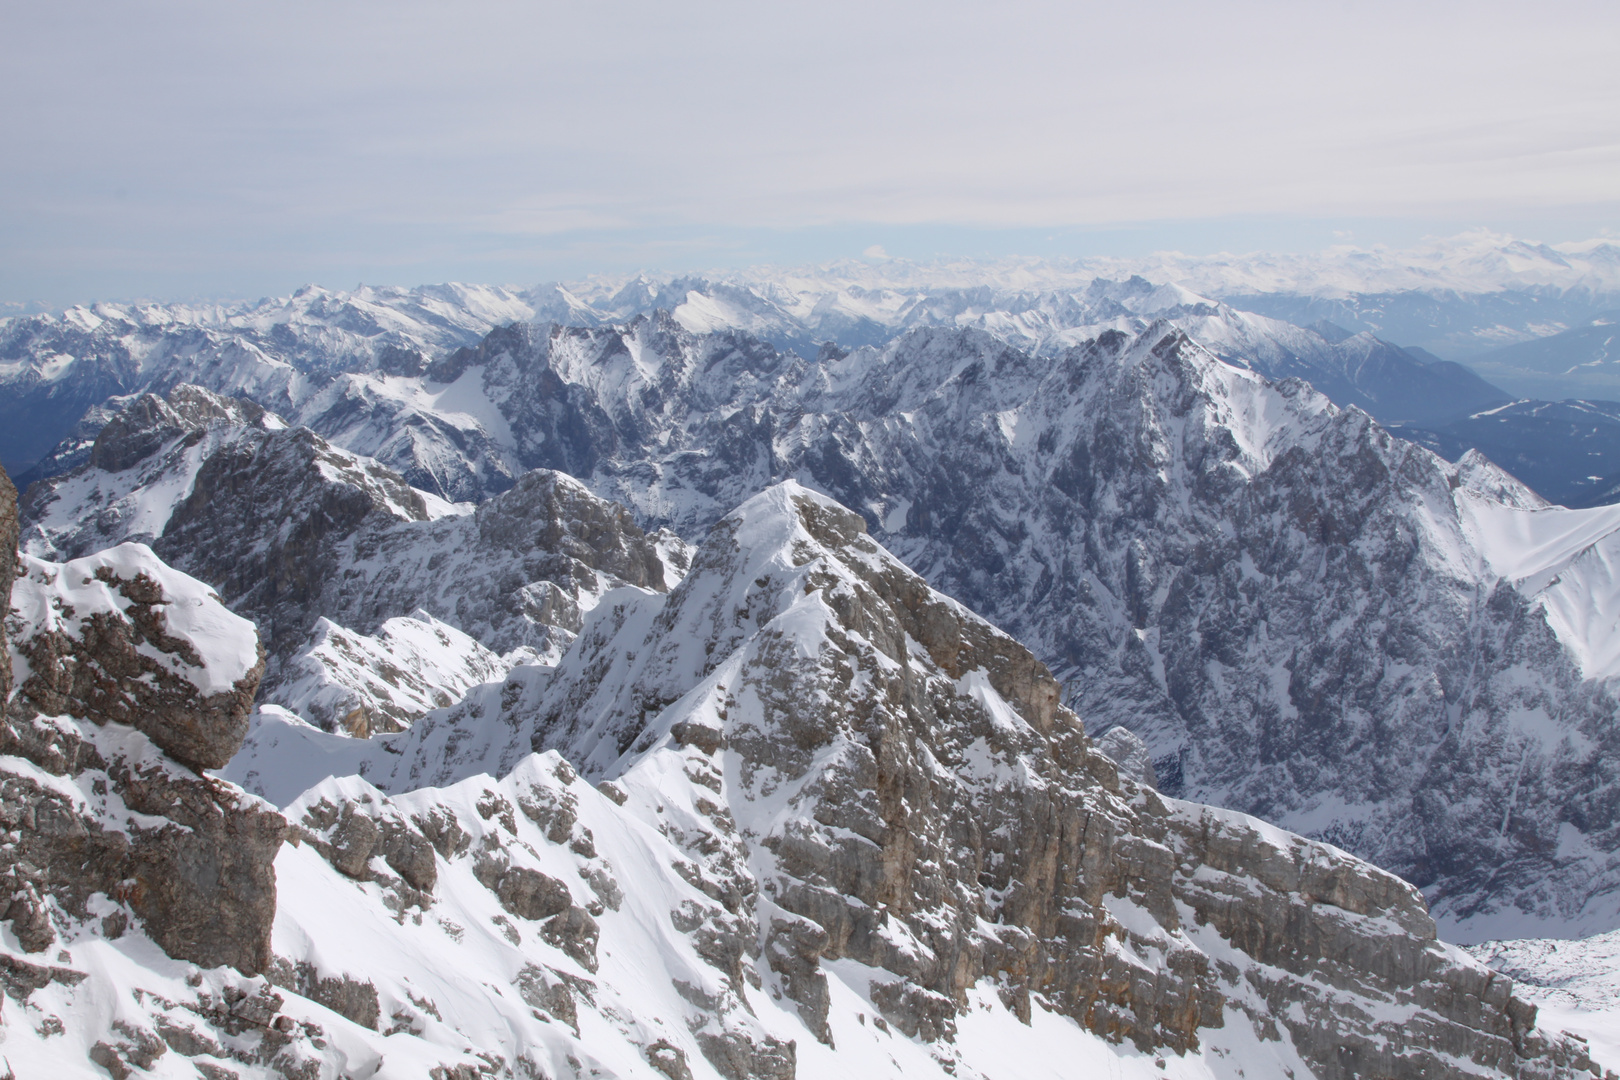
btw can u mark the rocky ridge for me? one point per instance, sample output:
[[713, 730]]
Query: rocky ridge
[[319, 546], [887, 815]]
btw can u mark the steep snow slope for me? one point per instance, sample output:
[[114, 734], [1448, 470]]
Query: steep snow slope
[[836, 808], [1569, 560], [362, 683], [1575, 984]]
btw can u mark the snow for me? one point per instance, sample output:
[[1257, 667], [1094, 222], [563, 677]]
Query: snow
[[284, 756], [894, 519], [1568, 560], [49, 597], [466, 400], [1575, 985], [412, 664]]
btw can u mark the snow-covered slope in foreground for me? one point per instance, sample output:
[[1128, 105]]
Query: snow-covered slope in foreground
[[1575, 984], [841, 826]]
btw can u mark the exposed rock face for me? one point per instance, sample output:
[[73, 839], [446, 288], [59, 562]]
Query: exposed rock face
[[292, 486], [146, 424], [188, 859], [291, 530], [119, 637], [943, 820], [157, 445], [132, 676], [1130, 754]]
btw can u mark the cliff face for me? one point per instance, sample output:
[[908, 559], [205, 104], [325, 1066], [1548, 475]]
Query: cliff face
[[130, 679]]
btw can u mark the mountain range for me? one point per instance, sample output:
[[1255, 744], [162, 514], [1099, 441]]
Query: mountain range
[[411, 682], [1300, 616], [838, 823], [323, 358]]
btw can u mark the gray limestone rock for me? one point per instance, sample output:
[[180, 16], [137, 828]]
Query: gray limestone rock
[[195, 863], [954, 824], [354, 999], [1130, 753], [117, 669]]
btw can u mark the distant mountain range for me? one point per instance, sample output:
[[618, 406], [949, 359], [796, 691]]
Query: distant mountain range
[[331, 360], [1583, 361]]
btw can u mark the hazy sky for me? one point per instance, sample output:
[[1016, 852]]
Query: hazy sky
[[237, 147]]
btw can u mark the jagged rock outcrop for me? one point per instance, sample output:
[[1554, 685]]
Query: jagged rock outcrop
[[291, 531], [118, 637], [132, 679]]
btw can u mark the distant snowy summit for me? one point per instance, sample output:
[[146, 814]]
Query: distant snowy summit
[[1329, 318]]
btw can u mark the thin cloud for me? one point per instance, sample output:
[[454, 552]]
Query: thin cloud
[[206, 131]]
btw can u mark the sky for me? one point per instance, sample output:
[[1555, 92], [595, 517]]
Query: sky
[[237, 148]]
